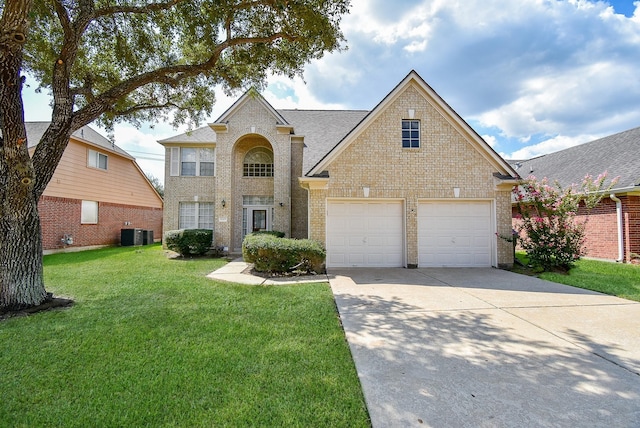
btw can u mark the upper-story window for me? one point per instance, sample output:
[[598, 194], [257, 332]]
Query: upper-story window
[[97, 160], [193, 161], [258, 162], [410, 133]]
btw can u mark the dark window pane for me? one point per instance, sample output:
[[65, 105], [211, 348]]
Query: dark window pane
[[189, 168], [206, 168]]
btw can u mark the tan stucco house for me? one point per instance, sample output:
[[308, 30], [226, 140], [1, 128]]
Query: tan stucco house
[[407, 184]]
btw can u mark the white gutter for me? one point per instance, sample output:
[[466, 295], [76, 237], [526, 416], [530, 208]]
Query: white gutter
[[615, 199]]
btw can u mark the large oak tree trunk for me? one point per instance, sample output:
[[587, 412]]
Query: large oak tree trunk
[[21, 279]]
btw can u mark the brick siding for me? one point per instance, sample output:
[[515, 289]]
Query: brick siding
[[601, 228], [445, 160], [61, 216]]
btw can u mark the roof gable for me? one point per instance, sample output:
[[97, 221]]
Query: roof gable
[[413, 79], [251, 94]]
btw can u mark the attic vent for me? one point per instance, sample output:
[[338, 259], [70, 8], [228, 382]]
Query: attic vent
[[518, 165]]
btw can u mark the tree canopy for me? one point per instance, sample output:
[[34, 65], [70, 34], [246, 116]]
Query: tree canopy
[[139, 60], [107, 61]]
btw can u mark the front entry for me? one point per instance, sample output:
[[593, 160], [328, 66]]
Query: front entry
[[257, 214], [259, 220]]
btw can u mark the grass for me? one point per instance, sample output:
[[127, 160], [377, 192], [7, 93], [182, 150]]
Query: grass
[[152, 342], [616, 279]]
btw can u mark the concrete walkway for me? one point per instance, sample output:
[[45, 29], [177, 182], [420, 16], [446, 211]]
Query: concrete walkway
[[238, 271], [489, 348]]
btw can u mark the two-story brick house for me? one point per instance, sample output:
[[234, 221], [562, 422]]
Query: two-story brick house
[[97, 190], [408, 183]]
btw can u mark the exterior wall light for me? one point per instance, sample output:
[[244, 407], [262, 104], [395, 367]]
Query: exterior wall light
[[224, 203]]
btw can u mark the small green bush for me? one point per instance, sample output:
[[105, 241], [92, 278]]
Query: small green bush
[[189, 242], [269, 253]]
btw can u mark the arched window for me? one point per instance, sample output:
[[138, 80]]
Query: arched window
[[258, 162]]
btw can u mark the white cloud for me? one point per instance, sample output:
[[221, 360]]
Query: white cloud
[[491, 140], [304, 99], [523, 70], [549, 146]]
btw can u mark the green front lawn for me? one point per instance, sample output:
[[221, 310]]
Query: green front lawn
[[152, 342], [616, 279]]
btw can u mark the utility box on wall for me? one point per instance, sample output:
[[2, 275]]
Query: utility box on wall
[[147, 237], [129, 237]]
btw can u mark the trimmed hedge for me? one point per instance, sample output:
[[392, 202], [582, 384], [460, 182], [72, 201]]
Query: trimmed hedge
[[270, 253], [275, 233], [189, 242]]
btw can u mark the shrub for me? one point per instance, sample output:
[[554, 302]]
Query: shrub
[[270, 253], [548, 229], [275, 233], [189, 242]]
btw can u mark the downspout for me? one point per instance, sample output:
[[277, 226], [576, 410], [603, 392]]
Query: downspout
[[620, 235]]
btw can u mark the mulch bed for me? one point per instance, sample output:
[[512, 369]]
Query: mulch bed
[[50, 303]]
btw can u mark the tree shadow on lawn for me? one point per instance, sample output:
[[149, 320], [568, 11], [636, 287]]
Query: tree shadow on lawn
[[480, 367]]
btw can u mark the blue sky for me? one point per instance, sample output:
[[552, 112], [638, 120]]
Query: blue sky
[[530, 76]]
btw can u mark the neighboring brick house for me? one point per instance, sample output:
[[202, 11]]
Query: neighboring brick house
[[613, 227], [97, 190], [409, 183]]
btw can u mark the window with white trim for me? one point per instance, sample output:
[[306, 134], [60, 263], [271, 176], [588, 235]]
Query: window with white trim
[[410, 134], [258, 162], [96, 159], [195, 215], [193, 161], [89, 212]]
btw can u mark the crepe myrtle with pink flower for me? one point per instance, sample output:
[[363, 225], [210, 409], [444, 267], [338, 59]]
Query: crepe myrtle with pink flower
[[547, 227]]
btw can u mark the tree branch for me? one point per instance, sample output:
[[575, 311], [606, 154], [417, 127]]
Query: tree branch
[[153, 7], [170, 75]]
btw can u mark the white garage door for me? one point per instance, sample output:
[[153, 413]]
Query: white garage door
[[365, 233], [455, 234]]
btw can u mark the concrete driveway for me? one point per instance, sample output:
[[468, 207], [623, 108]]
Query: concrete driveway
[[486, 347]]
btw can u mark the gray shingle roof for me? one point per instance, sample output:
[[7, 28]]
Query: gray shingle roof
[[35, 131], [618, 155], [200, 135], [322, 130]]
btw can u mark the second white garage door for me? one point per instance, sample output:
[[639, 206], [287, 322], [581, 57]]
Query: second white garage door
[[455, 234], [365, 233]]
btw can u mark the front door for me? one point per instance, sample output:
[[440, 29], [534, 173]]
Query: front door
[[259, 220], [256, 218]]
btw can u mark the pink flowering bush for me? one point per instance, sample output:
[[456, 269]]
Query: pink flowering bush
[[548, 230]]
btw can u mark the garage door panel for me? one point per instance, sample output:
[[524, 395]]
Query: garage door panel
[[374, 235], [456, 234]]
